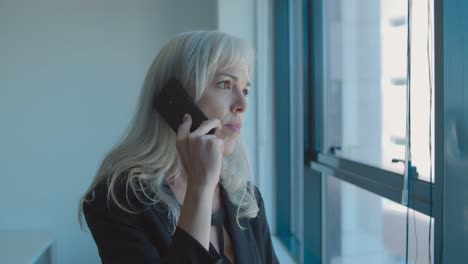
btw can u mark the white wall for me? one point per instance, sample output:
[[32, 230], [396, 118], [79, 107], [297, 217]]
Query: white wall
[[70, 74]]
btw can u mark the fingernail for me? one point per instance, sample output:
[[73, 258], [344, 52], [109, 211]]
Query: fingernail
[[186, 117]]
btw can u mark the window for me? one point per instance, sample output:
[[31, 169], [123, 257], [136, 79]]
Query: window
[[362, 227], [348, 60], [366, 80]]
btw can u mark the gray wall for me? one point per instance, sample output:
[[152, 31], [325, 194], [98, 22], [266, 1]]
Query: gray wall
[[70, 74]]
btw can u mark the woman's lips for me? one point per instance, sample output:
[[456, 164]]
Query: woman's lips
[[234, 127]]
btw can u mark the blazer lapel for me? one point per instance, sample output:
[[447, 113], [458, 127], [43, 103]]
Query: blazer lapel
[[243, 241], [158, 215], [244, 246]]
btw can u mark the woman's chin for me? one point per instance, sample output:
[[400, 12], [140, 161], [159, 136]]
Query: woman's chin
[[228, 151], [229, 147]]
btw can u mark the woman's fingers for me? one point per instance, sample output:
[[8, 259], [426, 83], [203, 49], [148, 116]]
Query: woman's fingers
[[201, 153], [214, 142], [184, 128], [206, 126]]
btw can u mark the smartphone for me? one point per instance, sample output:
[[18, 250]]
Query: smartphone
[[173, 102]]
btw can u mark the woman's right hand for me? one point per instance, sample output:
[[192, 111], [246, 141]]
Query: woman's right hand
[[201, 153]]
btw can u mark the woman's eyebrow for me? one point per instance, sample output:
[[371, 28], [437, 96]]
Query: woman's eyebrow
[[233, 77]]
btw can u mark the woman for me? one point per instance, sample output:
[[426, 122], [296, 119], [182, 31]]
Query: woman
[[166, 197]]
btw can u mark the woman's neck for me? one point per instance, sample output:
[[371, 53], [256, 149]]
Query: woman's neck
[[178, 185]]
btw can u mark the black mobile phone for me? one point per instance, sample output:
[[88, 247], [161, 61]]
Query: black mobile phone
[[173, 102]]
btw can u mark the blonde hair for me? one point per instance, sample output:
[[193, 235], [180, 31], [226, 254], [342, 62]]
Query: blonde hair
[[148, 150]]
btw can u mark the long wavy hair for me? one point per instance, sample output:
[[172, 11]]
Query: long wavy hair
[[142, 160]]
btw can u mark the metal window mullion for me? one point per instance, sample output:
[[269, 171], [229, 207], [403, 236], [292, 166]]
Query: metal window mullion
[[387, 177], [387, 185], [320, 138], [439, 177], [296, 117]]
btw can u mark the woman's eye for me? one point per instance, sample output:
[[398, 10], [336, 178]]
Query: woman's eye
[[224, 84]]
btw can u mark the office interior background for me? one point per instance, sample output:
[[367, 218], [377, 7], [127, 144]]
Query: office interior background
[[357, 130]]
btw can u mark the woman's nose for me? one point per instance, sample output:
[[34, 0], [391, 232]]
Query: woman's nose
[[239, 104]]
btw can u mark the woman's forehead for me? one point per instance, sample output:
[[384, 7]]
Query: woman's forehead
[[240, 70]]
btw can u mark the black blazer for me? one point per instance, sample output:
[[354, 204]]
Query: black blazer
[[145, 238]]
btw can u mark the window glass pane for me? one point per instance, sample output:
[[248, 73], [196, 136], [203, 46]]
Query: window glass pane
[[366, 61], [362, 227], [421, 55]]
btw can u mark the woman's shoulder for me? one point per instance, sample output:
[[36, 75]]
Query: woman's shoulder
[[260, 219], [257, 193], [119, 196]]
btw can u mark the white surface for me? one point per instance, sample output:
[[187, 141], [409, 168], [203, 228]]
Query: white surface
[[23, 246]]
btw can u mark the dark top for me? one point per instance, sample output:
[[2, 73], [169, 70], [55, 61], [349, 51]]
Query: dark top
[[145, 237], [218, 220]]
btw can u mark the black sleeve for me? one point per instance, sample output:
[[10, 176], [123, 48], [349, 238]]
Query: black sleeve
[[263, 228], [121, 238]]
